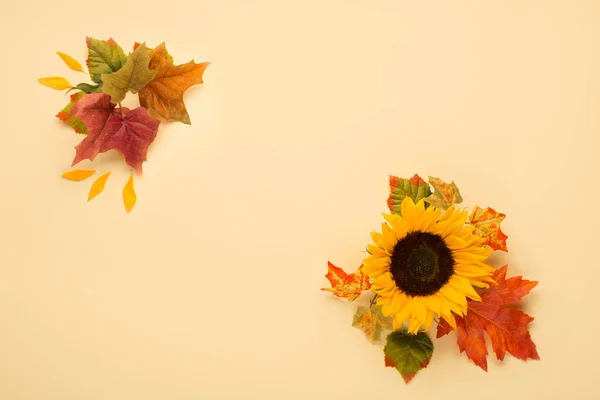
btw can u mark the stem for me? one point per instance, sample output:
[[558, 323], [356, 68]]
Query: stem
[[373, 300], [121, 109]]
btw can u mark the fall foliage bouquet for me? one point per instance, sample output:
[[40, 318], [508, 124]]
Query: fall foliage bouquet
[[429, 263], [95, 109]]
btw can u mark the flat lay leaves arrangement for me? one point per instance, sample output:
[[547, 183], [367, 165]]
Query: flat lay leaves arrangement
[[426, 227], [95, 110]]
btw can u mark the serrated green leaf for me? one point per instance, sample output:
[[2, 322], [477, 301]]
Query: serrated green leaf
[[104, 57], [73, 122], [444, 194], [372, 322], [400, 188], [132, 77], [408, 353]]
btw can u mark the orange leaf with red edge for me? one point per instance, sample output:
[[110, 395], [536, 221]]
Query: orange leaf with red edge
[[344, 285], [487, 224], [505, 325]]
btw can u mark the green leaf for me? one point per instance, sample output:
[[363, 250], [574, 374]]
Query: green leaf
[[73, 122], [86, 87], [444, 194], [415, 188], [408, 353], [134, 75], [372, 322], [104, 57]]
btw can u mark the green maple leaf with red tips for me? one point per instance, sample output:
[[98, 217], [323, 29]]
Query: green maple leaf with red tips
[[72, 121], [344, 285], [400, 188], [487, 224], [505, 325], [408, 353]]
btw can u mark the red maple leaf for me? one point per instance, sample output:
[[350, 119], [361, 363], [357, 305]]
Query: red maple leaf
[[128, 131], [505, 325], [347, 286]]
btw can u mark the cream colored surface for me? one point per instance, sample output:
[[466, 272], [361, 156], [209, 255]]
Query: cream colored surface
[[209, 289]]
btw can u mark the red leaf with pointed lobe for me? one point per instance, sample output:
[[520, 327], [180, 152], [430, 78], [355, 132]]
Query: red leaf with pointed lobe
[[505, 325], [130, 133]]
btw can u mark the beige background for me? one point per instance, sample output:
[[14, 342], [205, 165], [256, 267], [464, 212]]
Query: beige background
[[209, 289]]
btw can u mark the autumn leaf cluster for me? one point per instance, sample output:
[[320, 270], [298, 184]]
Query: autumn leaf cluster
[[95, 108], [497, 314]]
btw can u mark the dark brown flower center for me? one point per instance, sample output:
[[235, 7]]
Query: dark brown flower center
[[421, 264]]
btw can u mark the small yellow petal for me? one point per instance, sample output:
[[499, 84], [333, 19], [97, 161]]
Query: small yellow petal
[[407, 207], [78, 174], [405, 311], [450, 320], [462, 285], [414, 326], [129, 197], [428, 320], [70, 61], [420, 312], [98, 186], [55, 82]]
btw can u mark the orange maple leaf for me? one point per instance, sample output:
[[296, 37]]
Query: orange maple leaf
[[487, 224], [505, 325], [164, 94], [347, 286]]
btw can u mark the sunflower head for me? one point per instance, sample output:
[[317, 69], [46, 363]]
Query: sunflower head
[[425, 263]]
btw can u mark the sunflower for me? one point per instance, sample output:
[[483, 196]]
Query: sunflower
[[424, 264]]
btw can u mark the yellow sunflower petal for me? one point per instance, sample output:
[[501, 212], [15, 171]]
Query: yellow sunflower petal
[[463, 286], [450, 320], [428, 320], [408, 209], [392, 219], [388, 239], [405, 311], [414, 325]]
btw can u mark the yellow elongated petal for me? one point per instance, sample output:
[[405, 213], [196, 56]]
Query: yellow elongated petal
[[450, 319], [433, 302], [70, 61], [129, 196], [377, 251], [420, 311], [405, 311], [376, 237], [55, 82], [392, 219], [78, 174], [414, 326], [408, 210], [388, 239], [463, 286], [98, 186], [427, 219], [428, 320]]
